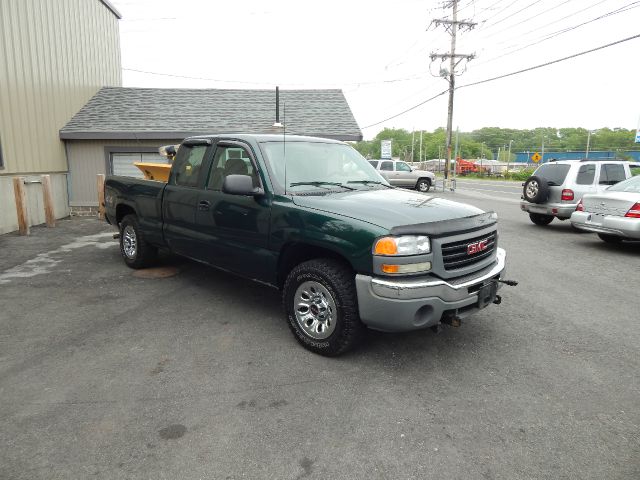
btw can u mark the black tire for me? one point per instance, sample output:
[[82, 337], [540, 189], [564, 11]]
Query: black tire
[[337, 279], [610, 238], [423, 185], [536, 189], [540, 219], [138, 254]]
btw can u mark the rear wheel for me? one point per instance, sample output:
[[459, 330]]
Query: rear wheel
[[610, 238], [423, 185], [136, 252], [321, 304], [540, 219]]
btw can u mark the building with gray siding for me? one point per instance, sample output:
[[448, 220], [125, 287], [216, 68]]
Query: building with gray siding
[[54, 56]]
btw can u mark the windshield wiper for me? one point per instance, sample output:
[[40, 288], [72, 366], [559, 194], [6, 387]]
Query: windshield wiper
[[370, 182], [321, 185]]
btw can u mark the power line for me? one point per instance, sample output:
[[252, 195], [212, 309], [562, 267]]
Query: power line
[[557, 33], [408, 109], [395, 80], [515, 13], [551, 62], [508, 75], [526, 19]]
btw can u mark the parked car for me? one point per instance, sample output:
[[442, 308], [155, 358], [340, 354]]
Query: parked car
[[613, 214], [401, 174], [555, 188], [317, 222]]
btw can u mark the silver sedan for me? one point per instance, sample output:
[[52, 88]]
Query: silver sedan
[[613, 214]]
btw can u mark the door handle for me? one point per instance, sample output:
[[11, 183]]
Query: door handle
[[204, 205]]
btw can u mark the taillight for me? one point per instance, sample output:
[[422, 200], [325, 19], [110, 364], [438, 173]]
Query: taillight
[[567, 194], [634, 212], [580, 206]]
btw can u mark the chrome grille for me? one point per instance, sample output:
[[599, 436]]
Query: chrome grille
[[455, 255]]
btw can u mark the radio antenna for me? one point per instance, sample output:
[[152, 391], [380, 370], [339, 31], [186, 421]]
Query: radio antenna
[[284, 142]]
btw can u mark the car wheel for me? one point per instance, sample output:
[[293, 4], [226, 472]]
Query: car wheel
[[540, 219], [610, 238], [423, 185], [536, 189], [321, 305], [136, 252]]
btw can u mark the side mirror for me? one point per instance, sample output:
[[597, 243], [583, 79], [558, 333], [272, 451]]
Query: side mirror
[[240, 185]]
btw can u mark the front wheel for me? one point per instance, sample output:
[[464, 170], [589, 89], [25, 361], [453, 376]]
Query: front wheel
[[321, 305], [610, 238], [540, 219], [136, 252], [423, 185]]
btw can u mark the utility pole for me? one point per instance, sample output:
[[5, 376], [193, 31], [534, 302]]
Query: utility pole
[[420, 157], [455, 59], [413, 140], [588, 141]]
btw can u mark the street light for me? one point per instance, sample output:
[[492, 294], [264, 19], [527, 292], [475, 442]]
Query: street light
[[588, 141]]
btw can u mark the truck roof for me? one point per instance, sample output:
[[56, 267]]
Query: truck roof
[[261, 138]]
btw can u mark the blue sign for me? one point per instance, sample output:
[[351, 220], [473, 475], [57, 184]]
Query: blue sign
[[638, 136]]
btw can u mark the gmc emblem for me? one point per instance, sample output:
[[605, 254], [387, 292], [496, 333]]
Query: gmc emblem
[[476, 247]]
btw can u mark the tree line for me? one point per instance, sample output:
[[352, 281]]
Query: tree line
[[493, 143]]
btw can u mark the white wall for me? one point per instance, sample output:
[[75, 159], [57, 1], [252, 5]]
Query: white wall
[[35, 205]]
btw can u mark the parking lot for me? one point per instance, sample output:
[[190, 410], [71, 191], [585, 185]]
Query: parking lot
[[104, 374]]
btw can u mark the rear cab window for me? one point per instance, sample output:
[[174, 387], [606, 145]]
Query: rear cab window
[[186, 167], [374, 163], [555, 173]]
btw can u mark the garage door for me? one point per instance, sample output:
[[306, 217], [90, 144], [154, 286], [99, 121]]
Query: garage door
[[123, 163]]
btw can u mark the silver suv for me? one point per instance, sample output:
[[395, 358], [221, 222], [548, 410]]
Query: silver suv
[[555, 188], [400, 174]]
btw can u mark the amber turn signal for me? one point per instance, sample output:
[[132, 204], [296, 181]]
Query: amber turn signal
[[386, 246]]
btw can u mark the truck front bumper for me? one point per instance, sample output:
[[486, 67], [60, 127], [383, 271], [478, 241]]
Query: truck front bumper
[[398, 305]]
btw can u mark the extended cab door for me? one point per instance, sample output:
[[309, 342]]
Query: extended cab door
[[179, 203], [235, 227]]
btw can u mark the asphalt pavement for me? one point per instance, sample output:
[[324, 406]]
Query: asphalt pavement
[[107, 375]]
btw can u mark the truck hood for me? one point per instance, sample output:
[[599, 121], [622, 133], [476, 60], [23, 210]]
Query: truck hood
[[388, 208]]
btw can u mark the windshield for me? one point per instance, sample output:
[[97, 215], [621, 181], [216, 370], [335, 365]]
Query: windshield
[[316, 165], [554, 172], [629, 185]]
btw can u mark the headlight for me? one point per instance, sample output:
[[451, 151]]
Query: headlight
[[404, 245]]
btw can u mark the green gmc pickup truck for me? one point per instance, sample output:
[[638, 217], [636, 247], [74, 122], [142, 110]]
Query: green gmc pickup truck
[[311, 217]]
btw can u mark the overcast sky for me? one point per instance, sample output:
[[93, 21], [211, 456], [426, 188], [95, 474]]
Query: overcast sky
[[377, 52]]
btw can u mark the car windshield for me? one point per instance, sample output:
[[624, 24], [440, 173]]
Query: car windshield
[[555, 173], [629, 185], [299, 166]]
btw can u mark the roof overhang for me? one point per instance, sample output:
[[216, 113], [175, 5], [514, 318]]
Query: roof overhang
[[130, 135]]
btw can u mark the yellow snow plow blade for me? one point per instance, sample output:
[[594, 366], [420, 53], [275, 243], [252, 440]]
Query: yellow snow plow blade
[[155, 171]]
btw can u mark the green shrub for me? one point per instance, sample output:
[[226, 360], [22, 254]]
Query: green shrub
[[522, 175]]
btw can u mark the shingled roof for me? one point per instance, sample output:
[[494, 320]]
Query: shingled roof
[[162, 113]]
